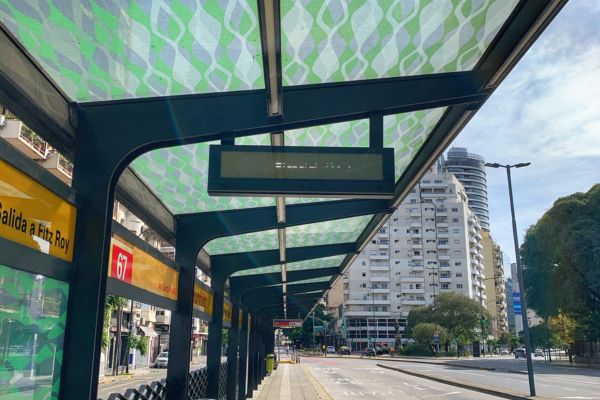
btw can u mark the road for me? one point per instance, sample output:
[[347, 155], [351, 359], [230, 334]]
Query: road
[[362, 379], [552, 381]]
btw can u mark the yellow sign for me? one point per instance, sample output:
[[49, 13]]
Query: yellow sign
[[202, 299], [35, 217], [132, 265], [227, 313]]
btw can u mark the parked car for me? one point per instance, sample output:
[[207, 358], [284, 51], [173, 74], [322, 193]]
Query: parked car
[[504, 352], [345, 350], [330, 350], [162, 361], [538, 352], [370, 352], [520, 353]]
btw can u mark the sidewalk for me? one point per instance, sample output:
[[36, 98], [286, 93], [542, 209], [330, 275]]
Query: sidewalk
[[291, 382]]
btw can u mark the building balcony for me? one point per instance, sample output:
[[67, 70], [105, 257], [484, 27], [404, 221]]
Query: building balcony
[[445, 279], [415, 214], [442, 235], [24, 139], [416, 291], [444, 257], [417, 257], [384, 246], [415, 224], [379, 268], [441, 224], [443, 213], [59, 166], [418, 268], [413, 302], [382, 291], [378, 256], [367, 314], [366, 302], [415, 235], [379, 279], [443, 246], [412, 279]]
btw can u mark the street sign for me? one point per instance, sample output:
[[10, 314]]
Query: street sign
[[287, 323], [517, 302], [436, 339], [340, 172]]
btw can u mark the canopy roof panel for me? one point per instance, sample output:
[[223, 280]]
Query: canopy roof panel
[[179, 175], [113, 50], [330, 232], [338, 40], [316, 263]]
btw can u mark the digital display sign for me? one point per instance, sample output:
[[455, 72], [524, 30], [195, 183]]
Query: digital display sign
[[301, 171]]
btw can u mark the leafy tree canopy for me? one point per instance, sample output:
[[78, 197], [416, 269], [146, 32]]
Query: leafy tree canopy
[[561, 257], [458, 314], [423, 333]]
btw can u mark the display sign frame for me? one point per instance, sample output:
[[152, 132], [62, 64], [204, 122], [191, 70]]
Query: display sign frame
[[275, 171], [287, 323]]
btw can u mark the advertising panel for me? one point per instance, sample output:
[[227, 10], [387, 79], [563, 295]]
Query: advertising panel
[[227, 313], [287, 323], [202, 299], [35, 217], [132, 265]]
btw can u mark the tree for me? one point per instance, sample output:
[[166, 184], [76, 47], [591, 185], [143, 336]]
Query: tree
[[460, 315], [563, 330], [304, 335], [561, 257], [423, 333], [509, 340], [112, 303]]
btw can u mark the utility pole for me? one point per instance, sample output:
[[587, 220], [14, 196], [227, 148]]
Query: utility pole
[[519, 273]]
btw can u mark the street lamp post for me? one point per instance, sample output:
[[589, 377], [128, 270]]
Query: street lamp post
[[519, 273]]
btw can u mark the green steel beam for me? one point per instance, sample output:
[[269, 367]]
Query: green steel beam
[[245, 283]]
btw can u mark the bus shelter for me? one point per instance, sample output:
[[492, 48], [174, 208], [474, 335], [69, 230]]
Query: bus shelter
[[135, 93]]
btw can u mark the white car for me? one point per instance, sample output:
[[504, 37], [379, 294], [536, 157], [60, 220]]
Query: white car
[[162, 361], [504, 352], [330, 350]]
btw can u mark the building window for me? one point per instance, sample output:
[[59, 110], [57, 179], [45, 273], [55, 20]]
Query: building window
[[454, 209], [458, 263], [364, 274], [455, 230], [459, 286], [455, 220], [456, 241], [364, 263], [459, 274], [445, 286]]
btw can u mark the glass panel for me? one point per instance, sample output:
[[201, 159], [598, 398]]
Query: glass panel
[[313, 280], [255, 241], [317, 263], [329, 232], [407, 132], [33, 312], [179, 177], [342, 40], [121, 49]]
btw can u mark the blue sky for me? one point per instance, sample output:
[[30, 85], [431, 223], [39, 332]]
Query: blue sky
[[547, 112]]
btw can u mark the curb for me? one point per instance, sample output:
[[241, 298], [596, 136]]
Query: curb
[[558, 364], [468, 386]]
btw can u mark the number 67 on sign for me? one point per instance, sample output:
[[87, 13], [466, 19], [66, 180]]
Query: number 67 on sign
[[121, 261]]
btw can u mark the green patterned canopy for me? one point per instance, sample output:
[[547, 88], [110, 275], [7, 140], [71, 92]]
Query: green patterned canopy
[[316, 263], [330, 232], [138, 48]]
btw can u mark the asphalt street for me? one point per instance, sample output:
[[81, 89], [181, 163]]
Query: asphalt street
[[362, 379], [551, 381]]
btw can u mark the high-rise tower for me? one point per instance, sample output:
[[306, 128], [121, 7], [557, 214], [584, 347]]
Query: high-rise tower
[[469, 168]]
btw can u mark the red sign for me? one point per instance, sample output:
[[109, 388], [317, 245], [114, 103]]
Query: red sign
[[287, 323], [121, 264]]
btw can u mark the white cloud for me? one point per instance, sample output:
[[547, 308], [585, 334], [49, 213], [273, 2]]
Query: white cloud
[[547, 111]]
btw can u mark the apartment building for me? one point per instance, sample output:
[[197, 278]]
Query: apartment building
[[495, 284], [430, 245]]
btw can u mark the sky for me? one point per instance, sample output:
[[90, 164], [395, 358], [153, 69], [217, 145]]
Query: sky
[[547, 112]]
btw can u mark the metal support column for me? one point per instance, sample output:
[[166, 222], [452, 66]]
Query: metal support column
[[244, 354], [180, 335], [85, 317], [232, 349], [251, 358], [215, 331]]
